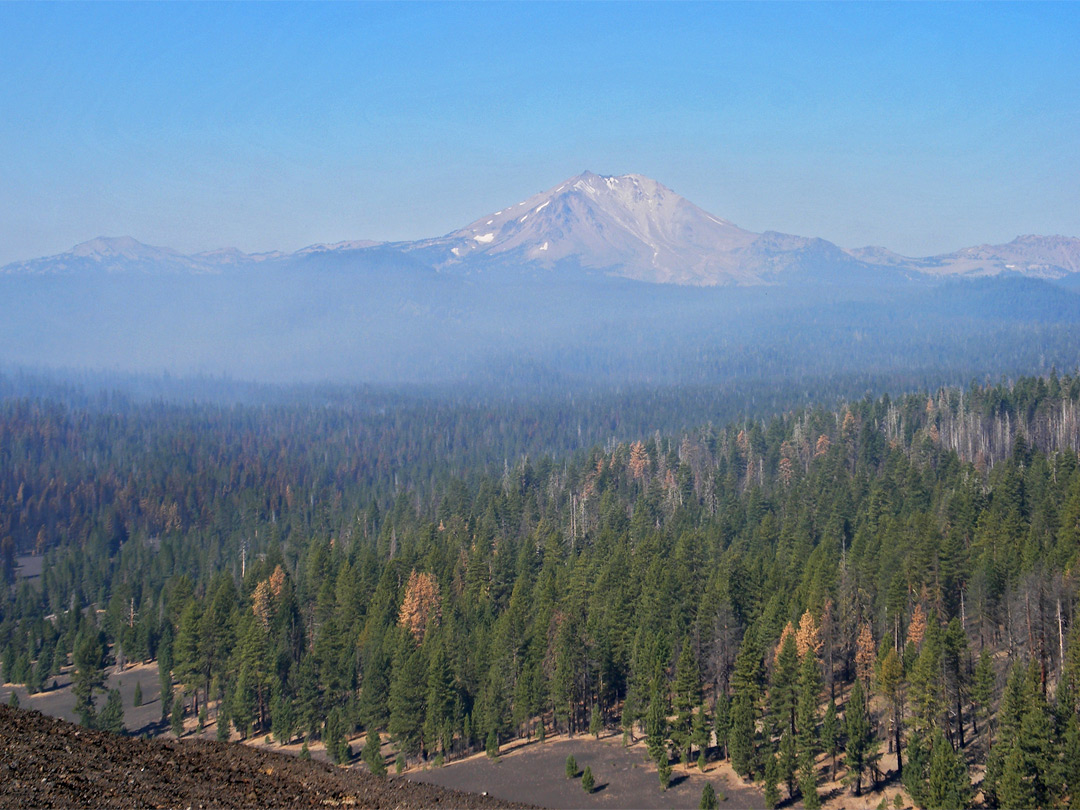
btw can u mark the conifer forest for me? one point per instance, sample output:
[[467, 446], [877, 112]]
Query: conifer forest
[[799, 591]]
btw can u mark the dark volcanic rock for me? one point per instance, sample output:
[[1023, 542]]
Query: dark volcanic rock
[[46, 762]]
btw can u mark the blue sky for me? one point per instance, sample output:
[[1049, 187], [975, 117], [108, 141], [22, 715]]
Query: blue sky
[[921, 127]]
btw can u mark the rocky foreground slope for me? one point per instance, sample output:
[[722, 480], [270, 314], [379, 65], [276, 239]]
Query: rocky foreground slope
[[45, 762]]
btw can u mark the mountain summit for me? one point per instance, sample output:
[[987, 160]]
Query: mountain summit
[[627, 225], [634, 227]]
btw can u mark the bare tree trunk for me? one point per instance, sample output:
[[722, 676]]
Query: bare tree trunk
[[897, 719], [1061, 638], [959, 710]]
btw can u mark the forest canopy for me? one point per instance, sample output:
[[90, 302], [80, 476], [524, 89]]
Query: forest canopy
[[793, 591]]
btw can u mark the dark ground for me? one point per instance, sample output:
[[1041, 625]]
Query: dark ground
[[45, 762], [625, 777], [60, 702]]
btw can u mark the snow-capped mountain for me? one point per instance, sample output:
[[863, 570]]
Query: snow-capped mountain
[[634, 227], [628, 226]]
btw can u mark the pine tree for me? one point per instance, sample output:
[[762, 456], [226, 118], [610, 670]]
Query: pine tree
[[571, 767], [223, 722], [89, 660], [165, 687], [1070, 759], [982, 693], [1037, 744], [955, 654], [1014, 789], [111, 718], [1068, 692], [772, 780], [334, 736], [663, 770], [440, 698], [746, 679], [830, 737], [656, 726], [917, 770], [927, 686], [1010, 715], [788, 761], [309, 704], [890, 680], [252, 658], [177, 719], [722, 724], [187, 661], [708, 798], [282, 715], [687, 696], [241, 702], [741, 743], [783, 689], [587, 780], [373, 753], [595, 726], [948, 782], [137, 698], [699, 734], [807, 740], [810, 798], [406, 703], [859, 748]]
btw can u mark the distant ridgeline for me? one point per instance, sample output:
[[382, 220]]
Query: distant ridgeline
[[797, 595]]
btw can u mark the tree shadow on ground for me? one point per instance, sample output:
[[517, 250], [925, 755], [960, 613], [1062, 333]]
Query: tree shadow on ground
[[153, 729]]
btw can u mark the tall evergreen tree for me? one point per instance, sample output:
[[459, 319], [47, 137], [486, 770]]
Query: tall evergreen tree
[[89, 660], [747, 681], [406, 702], [439, 719], [722, 724], [808, 739], [771, 773], [111, 718], [741, 739], [982, 692], [927, 696], [687, 696], [955, 654], [859, 749], [783, 689], [656, 725], [948, 782], [373, 753], [890, 680]]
